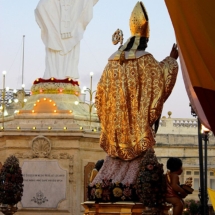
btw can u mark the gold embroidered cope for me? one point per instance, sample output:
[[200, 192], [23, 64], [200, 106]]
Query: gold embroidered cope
[[129, 100]]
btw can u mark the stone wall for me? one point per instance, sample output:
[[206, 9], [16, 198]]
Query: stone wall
[[74, 149]]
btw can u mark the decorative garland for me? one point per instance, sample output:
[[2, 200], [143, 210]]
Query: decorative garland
[[55, 88], [54, 80], [151, 182], [112, 192]]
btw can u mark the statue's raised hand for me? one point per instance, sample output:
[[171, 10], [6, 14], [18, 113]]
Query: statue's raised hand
[[174, 51]]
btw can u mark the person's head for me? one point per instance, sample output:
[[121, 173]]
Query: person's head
[[174, 165], [99, 164]]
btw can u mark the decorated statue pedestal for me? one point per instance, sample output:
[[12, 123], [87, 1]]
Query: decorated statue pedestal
[[58, 99], [120, 208], [128, 187], [61, 96]]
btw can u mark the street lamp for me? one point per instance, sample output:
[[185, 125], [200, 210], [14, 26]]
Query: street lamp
[[203, 170], [3, 98], [91, 92], [205, 136]]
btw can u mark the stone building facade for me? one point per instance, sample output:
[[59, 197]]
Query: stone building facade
[[75, 147], [178, 137]]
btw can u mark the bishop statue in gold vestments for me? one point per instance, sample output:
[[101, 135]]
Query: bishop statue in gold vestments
[[132, 91]]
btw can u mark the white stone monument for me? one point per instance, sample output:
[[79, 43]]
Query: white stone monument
[[62, 24]]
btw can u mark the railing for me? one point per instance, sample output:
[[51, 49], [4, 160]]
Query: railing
[[11, 95], [185, 123], [176, 122]]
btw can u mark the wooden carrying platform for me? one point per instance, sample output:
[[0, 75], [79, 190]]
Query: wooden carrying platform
[[118, 208]]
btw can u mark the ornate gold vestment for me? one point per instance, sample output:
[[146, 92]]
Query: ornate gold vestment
[[129, 100]]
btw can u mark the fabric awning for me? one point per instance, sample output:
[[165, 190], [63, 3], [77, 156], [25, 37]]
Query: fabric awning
[[194, 24]]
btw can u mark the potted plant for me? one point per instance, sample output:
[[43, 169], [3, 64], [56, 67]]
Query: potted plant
[[11, 185]]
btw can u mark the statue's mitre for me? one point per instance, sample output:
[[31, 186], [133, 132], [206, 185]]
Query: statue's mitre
[[139, 22]]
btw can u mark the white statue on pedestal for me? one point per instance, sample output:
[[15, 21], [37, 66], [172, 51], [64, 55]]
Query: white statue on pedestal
[[62, 24]]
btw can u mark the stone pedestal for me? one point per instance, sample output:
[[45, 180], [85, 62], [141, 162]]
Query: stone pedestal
[[64, 139]]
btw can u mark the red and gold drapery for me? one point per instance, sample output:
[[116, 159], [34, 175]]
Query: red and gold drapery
[[194, 24]]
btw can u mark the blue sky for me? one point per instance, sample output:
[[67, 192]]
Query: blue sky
[[17, 19]]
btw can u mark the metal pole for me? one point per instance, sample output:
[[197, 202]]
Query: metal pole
[[23, 58], [201, 190], [91, 83], [206, 178], [90, 109], [3, 97], [91, 97]]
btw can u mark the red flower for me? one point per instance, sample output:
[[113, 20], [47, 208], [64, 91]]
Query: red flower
[[150, 167]]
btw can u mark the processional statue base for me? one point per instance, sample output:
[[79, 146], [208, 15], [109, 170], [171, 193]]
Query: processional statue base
[[119, 208], [128, 208]]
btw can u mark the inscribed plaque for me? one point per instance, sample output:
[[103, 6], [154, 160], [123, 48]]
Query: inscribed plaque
[[44, 184]]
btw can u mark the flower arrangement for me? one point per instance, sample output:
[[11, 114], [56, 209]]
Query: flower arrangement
[[151, 183], [55, 86], [55, 80], [107, 191], [11, 182], [191, 207]]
